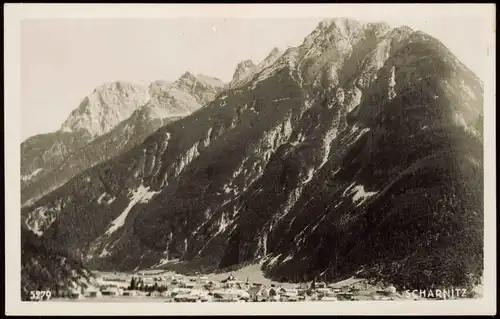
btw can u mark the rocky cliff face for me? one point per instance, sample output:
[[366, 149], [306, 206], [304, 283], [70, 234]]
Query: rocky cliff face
[[44, 152], [246, 70], [97, 114], [104, 108], [243, 70], [128, 114], [357, 151]]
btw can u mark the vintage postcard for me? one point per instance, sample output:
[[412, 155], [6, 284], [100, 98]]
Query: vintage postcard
[[250, 159]]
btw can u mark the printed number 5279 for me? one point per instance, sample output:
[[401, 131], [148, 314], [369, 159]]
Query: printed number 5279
[[40, 295]]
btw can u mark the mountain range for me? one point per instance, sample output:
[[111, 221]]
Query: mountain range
[[108, 122], [358, 152]]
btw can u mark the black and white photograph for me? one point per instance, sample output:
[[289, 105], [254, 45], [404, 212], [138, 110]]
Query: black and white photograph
[[333, 159]]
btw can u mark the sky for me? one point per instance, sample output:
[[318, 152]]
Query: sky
[[63, 60]]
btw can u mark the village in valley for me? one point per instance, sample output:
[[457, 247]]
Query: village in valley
[[163, 286]]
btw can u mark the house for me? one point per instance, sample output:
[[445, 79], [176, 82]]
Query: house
[[257, 293], [181, 297], [323, 291], [321, 284], [174, 291], [291, 292], [246, 285], [226, 295], [390, 289], [94, 293], [188, 284], [192, 298], [180, 291], [280, 291], [112, 291], [197, 292], [334, 288], [212, 285], [177, 278], [288, 294], [345, 288], [232, 284], [272, 294], [243, 294], [75, 294], [206, 298], [149, 286], [230, 278], [314, 296], [302, 288], [345, 296]]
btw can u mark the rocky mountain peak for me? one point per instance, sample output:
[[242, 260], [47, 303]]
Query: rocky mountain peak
[[376, 28], [243, 69], [187, 76], [271, 58], [108, 105], [275, 51], [337, 27], [190, 81]]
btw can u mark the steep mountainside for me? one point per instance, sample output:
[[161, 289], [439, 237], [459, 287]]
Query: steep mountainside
[[47, 267], [54, 158], [45, 151], [97, 114], [356, 151]]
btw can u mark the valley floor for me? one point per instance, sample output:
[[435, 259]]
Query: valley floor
[[244, 285]]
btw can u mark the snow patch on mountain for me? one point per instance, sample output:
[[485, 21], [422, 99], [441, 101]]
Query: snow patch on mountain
[[166, 261], [327, 141], [273, 261], [361, 195], [288, 258], [34, 228], [262, 244], [140, 195], [355, 96], [33, 174], [99, 200], [224, 222], [292, 199], [104, 253], [41, 218], [186, 158], [392, 84]]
